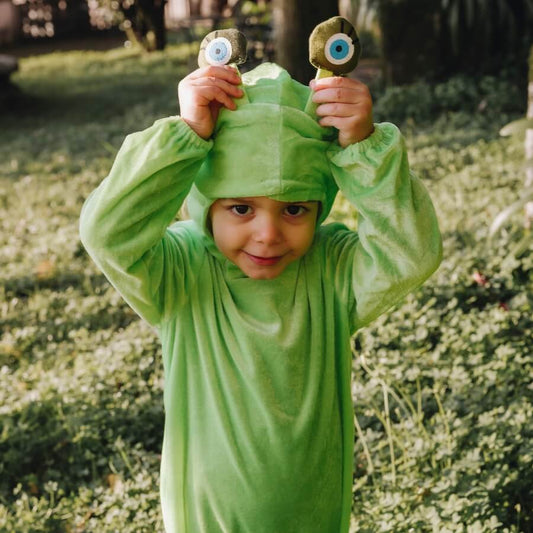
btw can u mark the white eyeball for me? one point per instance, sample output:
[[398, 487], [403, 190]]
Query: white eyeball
[[339, 49], [218, 51]]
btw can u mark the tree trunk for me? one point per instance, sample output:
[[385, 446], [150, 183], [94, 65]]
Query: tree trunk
[[410, 30], [158, 25], [529, 145], [195, 7], [294, 21], [146, 24]]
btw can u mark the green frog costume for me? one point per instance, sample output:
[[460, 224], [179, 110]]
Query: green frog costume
[[258, 410]]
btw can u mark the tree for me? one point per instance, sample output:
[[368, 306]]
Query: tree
[[486, 36], [51, 18], [435, 39], [294, 21], [144, 23], [144, 20], [410, 42], [529, 148]]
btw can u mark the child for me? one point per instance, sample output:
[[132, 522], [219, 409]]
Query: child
[[256, 301]]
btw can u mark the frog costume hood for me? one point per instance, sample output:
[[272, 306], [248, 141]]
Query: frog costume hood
[[269, 146]]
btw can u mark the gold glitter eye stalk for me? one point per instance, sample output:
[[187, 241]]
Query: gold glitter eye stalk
[[222, 47], [334, 47]]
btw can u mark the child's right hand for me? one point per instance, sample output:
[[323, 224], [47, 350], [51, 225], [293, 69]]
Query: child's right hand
[[203, 92]]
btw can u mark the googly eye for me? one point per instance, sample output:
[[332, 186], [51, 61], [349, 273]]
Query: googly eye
[[222, 47], [339, 49], [218, 51]]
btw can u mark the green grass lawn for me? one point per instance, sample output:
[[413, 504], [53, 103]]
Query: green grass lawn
[[442, 390]]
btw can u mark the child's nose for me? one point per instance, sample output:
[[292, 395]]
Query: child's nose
[[267, 230]]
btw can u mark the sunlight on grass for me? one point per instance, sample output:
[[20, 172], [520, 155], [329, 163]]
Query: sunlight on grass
[[441, 385]]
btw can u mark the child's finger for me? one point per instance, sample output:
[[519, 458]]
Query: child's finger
[[341, 123], [212, 93], [341, 90], [351, 130], [212, 81], [224, 72], [338, 96], [337, 110], [335, 82]]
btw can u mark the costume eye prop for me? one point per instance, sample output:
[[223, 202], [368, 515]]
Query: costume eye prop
[[218, 51], [222, 47], [339, 49], [334, 47], [334, 50]]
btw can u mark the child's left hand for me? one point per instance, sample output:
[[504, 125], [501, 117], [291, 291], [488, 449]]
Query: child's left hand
[[346, 104]]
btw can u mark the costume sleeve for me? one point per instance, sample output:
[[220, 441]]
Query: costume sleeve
[[397, 245], [124, 221]]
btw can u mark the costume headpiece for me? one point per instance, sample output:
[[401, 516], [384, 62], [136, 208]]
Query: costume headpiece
[[272, 144]]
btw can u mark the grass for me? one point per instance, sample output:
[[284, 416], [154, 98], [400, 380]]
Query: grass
[[442, 387]]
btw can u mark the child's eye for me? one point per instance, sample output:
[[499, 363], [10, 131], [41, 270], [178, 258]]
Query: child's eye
[[241, 209], [295, 210]]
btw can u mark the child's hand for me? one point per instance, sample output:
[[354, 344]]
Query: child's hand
[[345, 104], [203, 92]]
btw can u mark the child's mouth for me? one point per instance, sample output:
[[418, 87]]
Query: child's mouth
[[264, 261]]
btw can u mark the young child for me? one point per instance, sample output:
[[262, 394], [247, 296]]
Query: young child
[[254, 299]]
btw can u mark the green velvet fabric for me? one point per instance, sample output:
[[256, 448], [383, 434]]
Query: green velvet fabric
[[259, 429], [289, 164]]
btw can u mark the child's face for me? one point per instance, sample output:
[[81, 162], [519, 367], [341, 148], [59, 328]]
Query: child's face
[[262, 236]]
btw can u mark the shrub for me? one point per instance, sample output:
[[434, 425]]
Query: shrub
[[489, 101]]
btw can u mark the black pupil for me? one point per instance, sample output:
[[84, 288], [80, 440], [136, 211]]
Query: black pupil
[[339, 48], [217, 51]]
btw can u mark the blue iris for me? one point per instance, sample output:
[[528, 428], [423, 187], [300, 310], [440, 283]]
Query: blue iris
[[339, 49], [218, 51]]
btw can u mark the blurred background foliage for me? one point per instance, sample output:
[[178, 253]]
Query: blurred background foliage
[[443, 390], [428, 39]]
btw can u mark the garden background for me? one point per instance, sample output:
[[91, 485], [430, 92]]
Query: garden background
[[442, 389]]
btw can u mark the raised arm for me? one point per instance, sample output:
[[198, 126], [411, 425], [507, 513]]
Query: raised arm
[[397, 245], [124, 221]]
